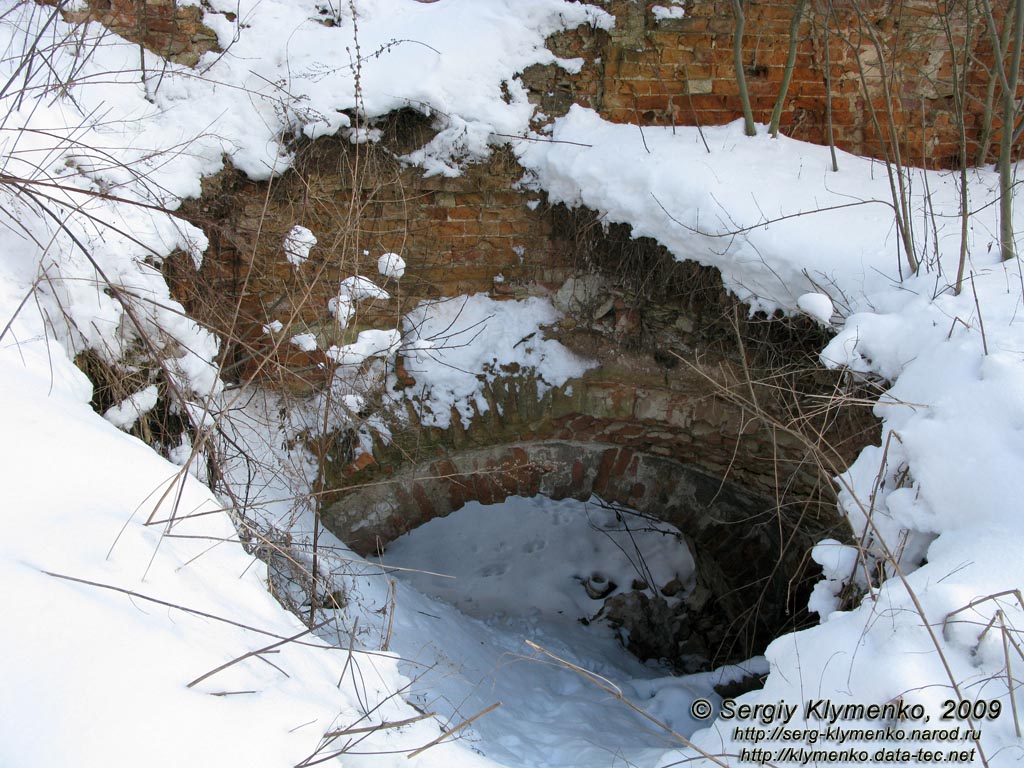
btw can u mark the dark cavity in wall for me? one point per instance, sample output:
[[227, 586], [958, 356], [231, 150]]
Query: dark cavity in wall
[[685, 376], [752, 579]]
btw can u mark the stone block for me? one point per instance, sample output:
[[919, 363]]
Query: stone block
[[696, 85]]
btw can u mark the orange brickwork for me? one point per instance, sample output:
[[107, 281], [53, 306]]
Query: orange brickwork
[[880, 53]]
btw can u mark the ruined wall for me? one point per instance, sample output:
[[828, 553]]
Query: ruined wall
[[692, 401], [664, 333], [174, 31], [457, 235], [852, 56], [861, 54], [668, 339], [631, 407]]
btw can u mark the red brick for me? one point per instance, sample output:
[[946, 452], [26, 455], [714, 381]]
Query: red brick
[[462, 212]]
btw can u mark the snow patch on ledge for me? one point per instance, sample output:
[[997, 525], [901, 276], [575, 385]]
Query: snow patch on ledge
[[288, 73], [662, 12], [768, 213], [455, 346]]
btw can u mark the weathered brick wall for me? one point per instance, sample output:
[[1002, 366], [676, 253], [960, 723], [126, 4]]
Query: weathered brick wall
[[682, 72], [456, 235], [634, 403], [174, 31]]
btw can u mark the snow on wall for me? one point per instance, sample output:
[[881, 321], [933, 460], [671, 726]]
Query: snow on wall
[[453, 346], [939, 494], [94, 152], [77, 490]]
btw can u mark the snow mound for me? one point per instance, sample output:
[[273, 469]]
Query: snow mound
[[391, 265], [817, 305], [455, 346], [297, 244]]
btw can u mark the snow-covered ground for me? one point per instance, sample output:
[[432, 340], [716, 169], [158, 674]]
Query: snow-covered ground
[[517, 571], [941, 491], [124, 580]]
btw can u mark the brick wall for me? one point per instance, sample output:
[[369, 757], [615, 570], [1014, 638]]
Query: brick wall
[[682, 72], [173, 31], [456, 235]]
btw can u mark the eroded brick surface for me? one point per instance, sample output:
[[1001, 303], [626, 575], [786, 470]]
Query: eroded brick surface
[[866, 55]]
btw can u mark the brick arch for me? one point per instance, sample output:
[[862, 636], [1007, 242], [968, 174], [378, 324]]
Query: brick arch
[[752, 573]]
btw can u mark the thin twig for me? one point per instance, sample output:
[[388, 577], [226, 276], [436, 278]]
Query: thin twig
[[244, 656], [379, 727], [454, 730]]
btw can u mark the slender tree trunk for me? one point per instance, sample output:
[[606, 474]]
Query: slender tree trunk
[[959, 82], [828, 88], [985, 135], [894, 158], [888, 139], [741, 76], [787, 74], [1007, 245]]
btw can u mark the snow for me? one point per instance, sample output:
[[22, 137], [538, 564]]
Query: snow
[[304, 341], [472, 548], [297, 244], [93, 674], [453, 348], [809, 230], [125, 580], [129, 411], [491, 574], [391, 265], [662, 12], [368, 344], [302, 75], [838, 563], [357, 288], [817, 305], [352, 290]]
